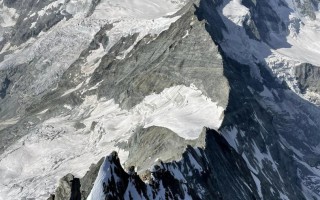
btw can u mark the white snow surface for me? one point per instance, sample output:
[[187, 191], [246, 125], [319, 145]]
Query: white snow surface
[[184, 110], [32, 167], [8, 16], [142, 9], [235, 11], [104, 175]]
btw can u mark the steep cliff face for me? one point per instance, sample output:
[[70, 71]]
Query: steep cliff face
[[83, 82], [276, 119]]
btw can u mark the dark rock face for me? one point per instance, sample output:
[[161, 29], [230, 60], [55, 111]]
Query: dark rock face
[[308, 7], [308, 77], [265, 134], [69, 188], [66, 187], [74, 188], [262, 128], [5, 86], [264, 20], [215, 171], [115, 186]]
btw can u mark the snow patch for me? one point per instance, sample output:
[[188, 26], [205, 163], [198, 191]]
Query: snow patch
[[231, 137], [8, 122], [184, 110], [235, 11], [67, 107], [8, 16], [72, 90], [258, 184]]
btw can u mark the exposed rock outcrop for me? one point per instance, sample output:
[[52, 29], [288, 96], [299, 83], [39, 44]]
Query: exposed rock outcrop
[[214, 171]]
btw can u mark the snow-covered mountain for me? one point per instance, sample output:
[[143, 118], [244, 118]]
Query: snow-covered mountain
[[170, 99]]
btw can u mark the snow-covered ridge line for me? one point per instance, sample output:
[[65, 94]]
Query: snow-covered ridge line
[[68, 147]]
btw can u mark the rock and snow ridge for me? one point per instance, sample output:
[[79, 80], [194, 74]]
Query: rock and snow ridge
[[90, 127], [192, 177], [184, 110]]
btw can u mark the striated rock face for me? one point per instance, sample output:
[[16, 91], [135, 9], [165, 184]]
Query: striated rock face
[[309, 83]]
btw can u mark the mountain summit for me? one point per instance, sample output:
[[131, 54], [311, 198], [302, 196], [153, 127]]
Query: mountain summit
[[166, 99]]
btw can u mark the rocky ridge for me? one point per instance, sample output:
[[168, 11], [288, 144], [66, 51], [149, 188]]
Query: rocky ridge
[[266, 146]]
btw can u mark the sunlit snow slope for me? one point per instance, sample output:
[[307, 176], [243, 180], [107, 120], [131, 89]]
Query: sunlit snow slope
[[64, 149]]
